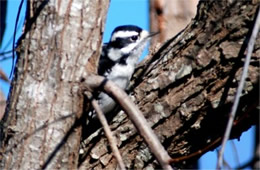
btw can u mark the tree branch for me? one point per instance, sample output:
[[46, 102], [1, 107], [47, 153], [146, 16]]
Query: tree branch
[[94, 82], [239, 89], [108, 132]]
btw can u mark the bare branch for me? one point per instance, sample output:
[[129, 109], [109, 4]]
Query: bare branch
[[6, 52], [15, 30], [239, 90], [93, 81], [3, 58], [4, 77], [109, 135]]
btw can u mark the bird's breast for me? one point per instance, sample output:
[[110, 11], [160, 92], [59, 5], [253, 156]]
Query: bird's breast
[[121, 75]]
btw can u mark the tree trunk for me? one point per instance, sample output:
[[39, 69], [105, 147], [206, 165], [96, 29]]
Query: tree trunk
[[186, 90], [62, 40], [170, 17]]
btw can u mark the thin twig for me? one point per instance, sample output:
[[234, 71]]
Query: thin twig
[[6, 52], [93, 81], [3, 58], [3, 76], [239, 90], [108, 132], [15, 31], [197, 153]]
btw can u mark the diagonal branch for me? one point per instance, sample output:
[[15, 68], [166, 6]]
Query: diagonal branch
[[93, 82], [108, 132], [239, 90]]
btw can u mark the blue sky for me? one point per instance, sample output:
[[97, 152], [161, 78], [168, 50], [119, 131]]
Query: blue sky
[[134, 12], [12, 8]]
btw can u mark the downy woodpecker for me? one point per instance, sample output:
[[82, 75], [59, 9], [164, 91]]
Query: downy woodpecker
[[119, 58]]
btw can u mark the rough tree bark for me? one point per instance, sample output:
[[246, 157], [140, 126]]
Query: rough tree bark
[[170, 17], [186, 90], [63, 38]]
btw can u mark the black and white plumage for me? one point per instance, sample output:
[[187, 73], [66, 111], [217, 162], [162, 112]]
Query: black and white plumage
[[119, 58]]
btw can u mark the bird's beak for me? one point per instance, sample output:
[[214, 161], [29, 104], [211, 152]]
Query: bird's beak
[[153, 34]]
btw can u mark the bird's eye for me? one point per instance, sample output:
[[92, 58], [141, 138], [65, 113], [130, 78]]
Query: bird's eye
[[134, 38]]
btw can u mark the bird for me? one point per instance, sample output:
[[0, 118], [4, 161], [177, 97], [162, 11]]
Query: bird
[[119, 58]]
